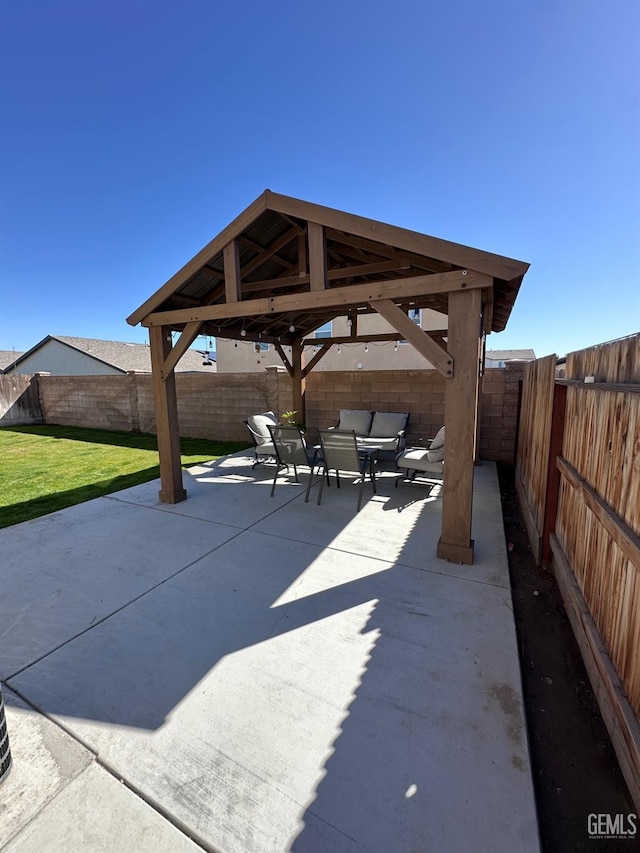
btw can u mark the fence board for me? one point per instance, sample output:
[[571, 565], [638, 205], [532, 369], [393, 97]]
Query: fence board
[[534, 440]]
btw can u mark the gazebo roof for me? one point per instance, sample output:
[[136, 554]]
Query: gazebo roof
[[285, 258]]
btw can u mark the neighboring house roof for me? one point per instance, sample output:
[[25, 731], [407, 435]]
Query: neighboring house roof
[[510, 355], [7, 357], [119, 355]]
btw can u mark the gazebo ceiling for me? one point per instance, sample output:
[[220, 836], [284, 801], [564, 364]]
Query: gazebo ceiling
[[272, 241]]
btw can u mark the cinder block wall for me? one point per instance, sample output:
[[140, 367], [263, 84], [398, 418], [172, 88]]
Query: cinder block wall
[[420, 392], [209, 405], [102, 402], [499, 413], [214, 405]]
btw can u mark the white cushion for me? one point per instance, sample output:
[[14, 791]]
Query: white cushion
[[388, 424], [383, 443], [355, 419], [436, 455], [417, 459], [260, 425], [438, 441]]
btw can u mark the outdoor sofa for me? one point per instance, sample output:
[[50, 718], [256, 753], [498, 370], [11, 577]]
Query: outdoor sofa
[[385, 430]]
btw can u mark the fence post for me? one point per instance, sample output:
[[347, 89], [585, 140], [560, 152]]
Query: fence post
[[553, 473]]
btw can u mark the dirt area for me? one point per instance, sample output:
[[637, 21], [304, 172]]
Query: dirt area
[[575, 769]]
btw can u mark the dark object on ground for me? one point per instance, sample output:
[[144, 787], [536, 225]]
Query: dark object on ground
[[575, 770]]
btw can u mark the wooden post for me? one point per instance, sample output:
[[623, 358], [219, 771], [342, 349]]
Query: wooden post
[[553, 473], [317, 257], [232, 279], [476, 447], [164, 394], [298, 380], [461, 392]]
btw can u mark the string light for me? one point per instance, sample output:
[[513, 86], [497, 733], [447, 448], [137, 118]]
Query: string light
[[395, 347], [366, 347], [339, 349]]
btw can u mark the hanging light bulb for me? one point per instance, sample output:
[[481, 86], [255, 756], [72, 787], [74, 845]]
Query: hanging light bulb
[[292, 327], [339, 349], [235, 343], [366, 347], [243, 332], [395, 347]]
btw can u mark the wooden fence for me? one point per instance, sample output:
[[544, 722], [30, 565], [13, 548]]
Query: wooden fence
[[588, 490]]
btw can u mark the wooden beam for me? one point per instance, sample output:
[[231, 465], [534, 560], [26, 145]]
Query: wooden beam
[[284, 358], [332, 275], [306, 370], [317, 257], [337, 298], [166, 408], [188, 336], [418, 338], [347, 339], [269, 252], [262, 250], [302, 255], [463, 334], [231, 256], [353, 244], [298, 381]]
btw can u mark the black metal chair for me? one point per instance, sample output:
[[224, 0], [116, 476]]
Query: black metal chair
[[340, 452], [291, 449]]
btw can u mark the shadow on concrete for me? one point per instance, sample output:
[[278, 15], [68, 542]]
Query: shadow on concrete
[[412, 747]]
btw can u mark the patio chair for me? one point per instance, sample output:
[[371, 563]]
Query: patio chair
[[291, 449], [258, 426], [427, 460], [340, 452]]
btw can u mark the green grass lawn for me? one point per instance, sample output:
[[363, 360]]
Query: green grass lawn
[[46, 468]]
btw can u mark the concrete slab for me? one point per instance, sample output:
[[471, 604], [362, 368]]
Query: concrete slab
[[279, 695], [272, 675], [45, 761], [66, 571], [400, 524], [97, 813], [234, 494]]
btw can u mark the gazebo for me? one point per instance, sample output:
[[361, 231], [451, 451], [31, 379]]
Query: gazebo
[[284, 267]]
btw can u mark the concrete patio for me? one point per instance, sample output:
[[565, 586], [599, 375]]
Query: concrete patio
[[242, 673]]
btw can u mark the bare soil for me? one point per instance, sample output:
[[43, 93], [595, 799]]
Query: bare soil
[[575, 770]]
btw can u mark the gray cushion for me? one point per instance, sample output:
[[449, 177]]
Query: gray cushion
[[259, 424], [438, 441], [355, 419], [388, 424], [436, 455]]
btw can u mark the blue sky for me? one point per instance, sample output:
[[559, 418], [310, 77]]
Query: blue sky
[[132, 132]]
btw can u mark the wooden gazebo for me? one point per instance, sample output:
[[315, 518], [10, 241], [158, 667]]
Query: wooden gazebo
[[284, 267]]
